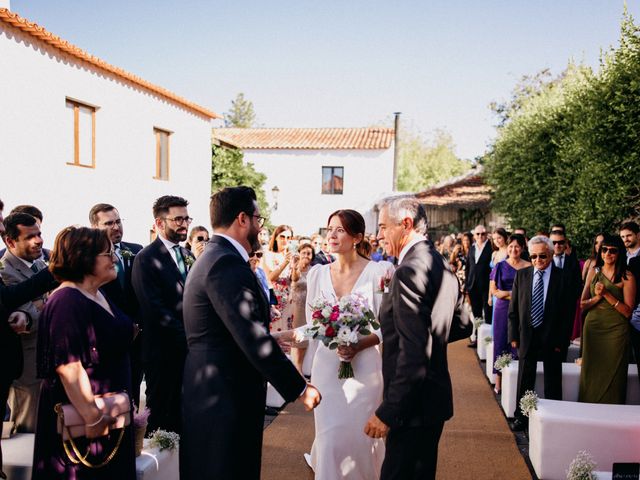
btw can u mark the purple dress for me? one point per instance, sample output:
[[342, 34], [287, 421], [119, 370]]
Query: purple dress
[[504, 275], [74, 328]]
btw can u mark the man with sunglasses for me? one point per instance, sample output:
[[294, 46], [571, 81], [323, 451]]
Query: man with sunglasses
[[571, 273], [538, 323], [478, 270], [159, 275]]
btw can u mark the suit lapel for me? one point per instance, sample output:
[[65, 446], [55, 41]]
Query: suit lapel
[[18, 265]]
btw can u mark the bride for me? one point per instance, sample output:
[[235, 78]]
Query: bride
[[341, 449]]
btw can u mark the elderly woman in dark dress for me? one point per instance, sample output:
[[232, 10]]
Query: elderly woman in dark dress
[[83, 350]]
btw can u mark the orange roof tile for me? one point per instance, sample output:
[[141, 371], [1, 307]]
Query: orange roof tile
[[369, 138], [467, 191], [49, 38]]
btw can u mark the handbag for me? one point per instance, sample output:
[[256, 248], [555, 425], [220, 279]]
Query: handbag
[[71, 425]]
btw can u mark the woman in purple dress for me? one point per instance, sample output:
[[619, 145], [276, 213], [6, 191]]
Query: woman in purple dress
[[83, 350], [503, 275]]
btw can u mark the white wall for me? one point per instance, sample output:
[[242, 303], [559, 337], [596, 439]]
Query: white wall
[[36, 142], [368, 174]]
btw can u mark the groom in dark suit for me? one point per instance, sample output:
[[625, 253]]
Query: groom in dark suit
[[231, 353], [539, 323], [159, 274], [120, 291], [422, 312]]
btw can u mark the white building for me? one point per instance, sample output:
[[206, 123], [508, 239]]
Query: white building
[[312, 172], [75, 131]]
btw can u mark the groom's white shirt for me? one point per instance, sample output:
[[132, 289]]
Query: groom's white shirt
[[241, 250], [416, 239]]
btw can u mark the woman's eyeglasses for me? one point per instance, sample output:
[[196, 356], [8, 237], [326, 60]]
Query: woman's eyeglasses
[[611, 250], [110, 253], [541, 256], [255, 254]]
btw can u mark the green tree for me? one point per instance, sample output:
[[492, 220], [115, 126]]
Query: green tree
[[241, 113], [423, 164], [229, 170]]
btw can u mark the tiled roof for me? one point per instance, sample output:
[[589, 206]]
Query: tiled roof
[[49, 38], [465, 192], [370, 138]]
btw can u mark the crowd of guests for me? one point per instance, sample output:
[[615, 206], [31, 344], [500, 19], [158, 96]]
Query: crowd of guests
[[65, 312], [539, 297]]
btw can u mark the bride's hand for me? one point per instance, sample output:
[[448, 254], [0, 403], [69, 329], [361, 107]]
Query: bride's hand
[[346, 353]]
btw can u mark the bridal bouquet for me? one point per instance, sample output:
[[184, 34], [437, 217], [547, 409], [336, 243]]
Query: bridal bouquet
[[338, 324]]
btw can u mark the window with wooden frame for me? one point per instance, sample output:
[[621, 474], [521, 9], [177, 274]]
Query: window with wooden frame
[[162, 153], [332, 180], [84, 133]]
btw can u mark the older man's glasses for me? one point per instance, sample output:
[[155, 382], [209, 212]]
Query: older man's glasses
[[481, 234], [541, 256], [180, 220]]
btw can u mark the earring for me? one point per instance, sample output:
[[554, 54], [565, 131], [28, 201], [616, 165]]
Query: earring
[[355, 246]]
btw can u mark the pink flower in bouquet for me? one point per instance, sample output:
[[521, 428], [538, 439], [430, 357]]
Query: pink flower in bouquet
[[334, 315], [317, 314]]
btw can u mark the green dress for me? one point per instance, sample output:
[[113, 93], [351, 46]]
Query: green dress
[[605, 350]]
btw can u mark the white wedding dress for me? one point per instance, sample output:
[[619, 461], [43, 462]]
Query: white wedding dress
[[341, 449]]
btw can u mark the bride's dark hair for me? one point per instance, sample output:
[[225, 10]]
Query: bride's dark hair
[[353, 223]]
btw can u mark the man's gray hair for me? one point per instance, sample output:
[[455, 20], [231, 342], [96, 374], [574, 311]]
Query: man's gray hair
[[539, 240], [407, 207]]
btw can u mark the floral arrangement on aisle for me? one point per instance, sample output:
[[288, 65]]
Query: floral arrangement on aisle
[[488, 340], [477, 322], [528, 402], [582, 467], [163, 440], [340, 324], [503, 361]]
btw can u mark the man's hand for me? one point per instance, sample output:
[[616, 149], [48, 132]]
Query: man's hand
[[376, 428], [514, 344], [310, 398], [18, 322]]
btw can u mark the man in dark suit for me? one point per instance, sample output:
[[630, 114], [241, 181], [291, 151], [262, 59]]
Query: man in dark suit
[[120, 291], [630, 235], [231, 353], [14, 322], [422, 312], [571, 275], [478, 270], [159, 274], [538, 323], [21, 261]]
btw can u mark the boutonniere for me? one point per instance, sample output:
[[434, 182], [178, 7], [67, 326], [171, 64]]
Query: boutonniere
[[384, 282], [1, 265], [127, 254], [189, 261]]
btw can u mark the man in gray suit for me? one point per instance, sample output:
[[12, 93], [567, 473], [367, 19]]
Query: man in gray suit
[[20, 262]]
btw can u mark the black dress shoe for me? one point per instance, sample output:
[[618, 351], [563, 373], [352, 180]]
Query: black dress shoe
[[518, 425], [472, 344]]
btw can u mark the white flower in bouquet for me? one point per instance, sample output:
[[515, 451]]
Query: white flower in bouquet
[[503, 361], [528, 402], [353, 337], [582, 467], [343, 335]]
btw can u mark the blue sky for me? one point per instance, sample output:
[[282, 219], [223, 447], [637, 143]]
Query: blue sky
[[342, 63]]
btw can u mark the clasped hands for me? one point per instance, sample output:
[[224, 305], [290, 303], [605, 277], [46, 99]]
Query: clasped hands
[[18, 321]]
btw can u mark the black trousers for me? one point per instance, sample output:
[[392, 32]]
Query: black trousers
[[479, 297], [164, 393], [412, 453], [527, 366], [136, 369]]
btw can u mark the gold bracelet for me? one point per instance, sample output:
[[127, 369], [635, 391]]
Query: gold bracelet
[[616, 305]]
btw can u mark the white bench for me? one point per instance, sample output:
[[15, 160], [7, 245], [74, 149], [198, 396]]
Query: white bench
[[559, 430], [570, 385], [488, 366], [152, 464], [485, 330]]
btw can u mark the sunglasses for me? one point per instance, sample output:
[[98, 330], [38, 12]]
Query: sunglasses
[[535, 256], [559, 242], [256, 254], [611, 250], [481, 234]]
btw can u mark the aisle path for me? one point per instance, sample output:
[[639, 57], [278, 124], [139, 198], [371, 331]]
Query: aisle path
[[476, 443]]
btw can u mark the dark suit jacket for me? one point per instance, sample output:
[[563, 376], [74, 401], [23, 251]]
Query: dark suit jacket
[[125, 298], [422, 312], [11, 297], [555, 324], [477, 275], [231, 354], [634, 267], [159, 286]]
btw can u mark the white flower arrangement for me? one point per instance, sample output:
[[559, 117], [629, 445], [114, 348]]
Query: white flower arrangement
[[581, 467], [477, 322], [528, 402], [503, 361], [488, 340], [163, 440]]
